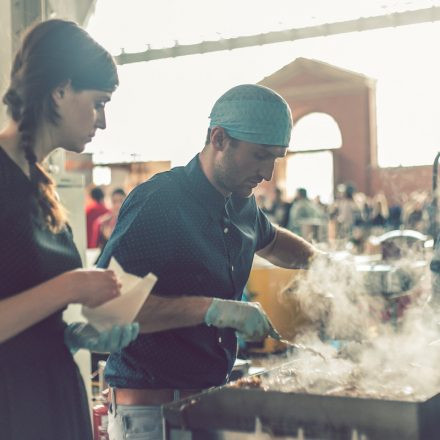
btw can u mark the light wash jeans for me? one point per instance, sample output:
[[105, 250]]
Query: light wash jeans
[[132, 422]]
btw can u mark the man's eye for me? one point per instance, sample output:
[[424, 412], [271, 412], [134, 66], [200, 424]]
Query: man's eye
[[99, 104]]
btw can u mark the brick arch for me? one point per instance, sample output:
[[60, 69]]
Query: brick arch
[[310, 85]]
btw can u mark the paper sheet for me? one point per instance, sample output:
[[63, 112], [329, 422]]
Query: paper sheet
[[124, 308]]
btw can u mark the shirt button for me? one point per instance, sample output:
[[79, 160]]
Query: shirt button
[[220, 340], [226, 230], [232, 268]]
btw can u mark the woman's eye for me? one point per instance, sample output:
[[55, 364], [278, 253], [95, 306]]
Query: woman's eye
[[99, 105]]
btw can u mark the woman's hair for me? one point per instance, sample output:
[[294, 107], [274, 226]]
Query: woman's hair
[[52, 53]]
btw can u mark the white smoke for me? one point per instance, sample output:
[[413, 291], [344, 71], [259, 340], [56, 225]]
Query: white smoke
[[382, 346]]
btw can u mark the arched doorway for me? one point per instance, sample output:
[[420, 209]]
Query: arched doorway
[[310, 162]]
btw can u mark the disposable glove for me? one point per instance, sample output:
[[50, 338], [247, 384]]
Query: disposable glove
[[248, 318], [81, 335]]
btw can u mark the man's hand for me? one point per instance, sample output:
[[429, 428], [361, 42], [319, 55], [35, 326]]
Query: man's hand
[[247, 318]]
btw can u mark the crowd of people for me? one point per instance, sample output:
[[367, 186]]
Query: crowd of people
[[352, 217]]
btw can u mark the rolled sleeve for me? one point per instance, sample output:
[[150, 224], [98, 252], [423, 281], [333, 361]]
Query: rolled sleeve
[[142, 239], [266, 230]]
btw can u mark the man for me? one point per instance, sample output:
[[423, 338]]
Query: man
[[278, 212], [197, 228], [95, 208], [305, 217], [104, 225]]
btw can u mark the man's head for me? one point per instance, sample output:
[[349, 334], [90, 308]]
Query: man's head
[[97, 194], [118, 197], [301, 193], [250, 128]]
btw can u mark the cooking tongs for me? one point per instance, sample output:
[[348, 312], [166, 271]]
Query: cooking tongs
[[273, 333]]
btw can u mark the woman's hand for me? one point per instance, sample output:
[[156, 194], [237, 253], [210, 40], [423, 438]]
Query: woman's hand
[[81, 335], [90, 287]]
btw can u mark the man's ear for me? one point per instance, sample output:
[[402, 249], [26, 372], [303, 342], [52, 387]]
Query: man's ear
[[218, 138]]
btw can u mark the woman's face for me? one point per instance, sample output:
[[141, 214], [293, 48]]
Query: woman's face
[[81, 114]]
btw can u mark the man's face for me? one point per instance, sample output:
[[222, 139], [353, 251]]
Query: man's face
[[241, 166], [117, 200]]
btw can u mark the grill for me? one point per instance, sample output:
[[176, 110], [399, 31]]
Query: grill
[[229, 413]]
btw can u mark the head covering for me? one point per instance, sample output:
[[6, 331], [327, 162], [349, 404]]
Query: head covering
[[253, 113]]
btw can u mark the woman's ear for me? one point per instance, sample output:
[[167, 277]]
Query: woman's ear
[[60, 91]]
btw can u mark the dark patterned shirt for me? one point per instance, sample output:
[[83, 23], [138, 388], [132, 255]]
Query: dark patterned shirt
[[178, 226]]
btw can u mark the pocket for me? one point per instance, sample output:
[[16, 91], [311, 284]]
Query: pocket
[[143, 425]]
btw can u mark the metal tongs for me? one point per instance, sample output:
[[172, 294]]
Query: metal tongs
[[273, 333]]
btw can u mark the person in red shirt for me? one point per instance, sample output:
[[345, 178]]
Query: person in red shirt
[[94, 209], [104, 225]]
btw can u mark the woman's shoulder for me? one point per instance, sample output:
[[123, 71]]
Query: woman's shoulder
[[12, 179], [8, 169]]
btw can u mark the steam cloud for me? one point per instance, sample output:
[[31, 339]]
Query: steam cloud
[[374, 352]]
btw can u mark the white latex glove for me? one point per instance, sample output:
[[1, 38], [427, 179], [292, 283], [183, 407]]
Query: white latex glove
[[81, 335], [248, 318]]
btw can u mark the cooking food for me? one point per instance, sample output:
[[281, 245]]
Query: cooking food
[[247, 382]]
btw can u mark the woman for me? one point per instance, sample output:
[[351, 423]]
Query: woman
[[60, 81]]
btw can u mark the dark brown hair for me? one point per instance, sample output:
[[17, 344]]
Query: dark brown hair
[[52, 53], [234, 142]]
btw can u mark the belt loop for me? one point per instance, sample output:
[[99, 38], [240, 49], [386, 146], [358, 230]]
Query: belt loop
[[176, 395], [113, 400]]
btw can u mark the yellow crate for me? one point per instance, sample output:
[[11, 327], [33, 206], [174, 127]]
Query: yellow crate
[[265, 285]]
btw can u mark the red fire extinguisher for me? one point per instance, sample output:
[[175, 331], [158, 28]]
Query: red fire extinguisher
[[100, 421]]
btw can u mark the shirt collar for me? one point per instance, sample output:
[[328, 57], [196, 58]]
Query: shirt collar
[[203, 189]]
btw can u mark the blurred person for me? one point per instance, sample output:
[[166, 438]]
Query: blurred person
[[95, 208], [379, 213], [364, 205], [104, 225], [394, 218], [59, 84], [347, 211], [415, 213], [197, 228], [304, 216], [278, 212], [318, 202], [356, 243], [323, 228]]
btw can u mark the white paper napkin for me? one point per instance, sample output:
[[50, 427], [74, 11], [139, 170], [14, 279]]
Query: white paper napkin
[[124, 308]]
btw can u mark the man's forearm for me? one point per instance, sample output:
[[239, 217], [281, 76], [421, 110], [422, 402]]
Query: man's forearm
[[160, 313], [289, 250]]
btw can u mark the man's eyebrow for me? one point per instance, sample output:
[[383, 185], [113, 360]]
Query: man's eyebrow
[[268, 150]]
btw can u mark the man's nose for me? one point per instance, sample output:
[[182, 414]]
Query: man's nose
[[100, 120], [267, 171]]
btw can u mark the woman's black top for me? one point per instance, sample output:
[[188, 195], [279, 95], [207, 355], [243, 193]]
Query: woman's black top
[[42, 396]]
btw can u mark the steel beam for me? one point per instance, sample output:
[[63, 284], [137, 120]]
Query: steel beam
[[361, 24]]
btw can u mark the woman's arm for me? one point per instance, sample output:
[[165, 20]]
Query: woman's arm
[[88, 287]]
